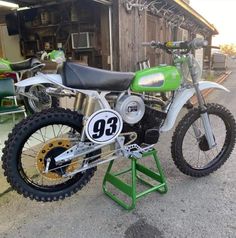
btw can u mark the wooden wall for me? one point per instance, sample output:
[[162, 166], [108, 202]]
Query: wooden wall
[[131, 33], [134, 28], [3, 12], [1, 50], [105, 37]]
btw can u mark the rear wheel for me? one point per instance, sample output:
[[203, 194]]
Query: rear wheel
[[44, 101], [191, 153], [36, 140]]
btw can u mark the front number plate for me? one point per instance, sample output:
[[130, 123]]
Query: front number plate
[[103, 126]]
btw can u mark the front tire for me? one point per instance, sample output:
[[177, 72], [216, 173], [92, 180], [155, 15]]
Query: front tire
[[37, 138], [221, 119]]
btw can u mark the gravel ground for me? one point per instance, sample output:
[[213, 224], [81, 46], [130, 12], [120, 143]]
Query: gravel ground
[[202, 207]]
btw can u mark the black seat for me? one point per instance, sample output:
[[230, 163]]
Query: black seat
[[26, 64], [84, 77]]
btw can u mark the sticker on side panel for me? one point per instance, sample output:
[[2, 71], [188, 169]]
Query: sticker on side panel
[[103, 126]]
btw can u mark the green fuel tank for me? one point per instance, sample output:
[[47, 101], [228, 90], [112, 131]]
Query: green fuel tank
[[156, 79]]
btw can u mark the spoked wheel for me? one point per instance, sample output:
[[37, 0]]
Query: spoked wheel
[[44, 101], [190, 150], [34, 142]]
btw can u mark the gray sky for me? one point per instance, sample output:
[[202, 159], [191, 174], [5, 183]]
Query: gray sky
[[222, 14]]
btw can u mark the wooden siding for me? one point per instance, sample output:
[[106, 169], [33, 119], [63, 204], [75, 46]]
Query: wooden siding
[[105, 42], [1, 50], [134, 28], [131, 34]]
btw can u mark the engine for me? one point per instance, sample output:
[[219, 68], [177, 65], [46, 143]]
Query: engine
[[131, 108], [147, 128]]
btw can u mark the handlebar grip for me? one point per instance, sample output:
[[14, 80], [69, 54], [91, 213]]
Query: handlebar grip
[[198, 43]]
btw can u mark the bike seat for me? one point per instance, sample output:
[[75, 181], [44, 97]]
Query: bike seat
[[25, 64], [84, 77]]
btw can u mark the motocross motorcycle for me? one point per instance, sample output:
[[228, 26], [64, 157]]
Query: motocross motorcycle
[[34, 96], [53, 154]]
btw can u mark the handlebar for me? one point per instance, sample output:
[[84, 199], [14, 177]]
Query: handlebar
[[198, 43], [186, 46]]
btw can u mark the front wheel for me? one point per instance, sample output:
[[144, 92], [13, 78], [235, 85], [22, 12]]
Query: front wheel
[[44, 101], [191, 153], [33, 142]]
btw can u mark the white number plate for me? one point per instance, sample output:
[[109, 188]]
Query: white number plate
[[103, 126]]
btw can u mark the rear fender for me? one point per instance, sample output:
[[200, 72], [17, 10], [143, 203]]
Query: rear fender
[[56, 80], [40, 79]]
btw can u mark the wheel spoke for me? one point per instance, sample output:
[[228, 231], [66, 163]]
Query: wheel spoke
[[28, 155], [192, 135], [37, 139], [199, 152], [53, 131], [59, 131], [42, 136]]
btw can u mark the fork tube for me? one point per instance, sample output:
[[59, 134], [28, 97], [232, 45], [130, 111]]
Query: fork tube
[[79, 100], [88, 110], [203, 109], [89, 106]]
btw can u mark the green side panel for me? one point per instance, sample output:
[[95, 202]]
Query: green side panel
[[5, 66], [156, 79]]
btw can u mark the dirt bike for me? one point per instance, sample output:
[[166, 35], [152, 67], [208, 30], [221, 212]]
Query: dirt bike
[[53, 154], [34, 96]]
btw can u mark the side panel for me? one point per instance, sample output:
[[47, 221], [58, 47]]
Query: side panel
[[181, 98]]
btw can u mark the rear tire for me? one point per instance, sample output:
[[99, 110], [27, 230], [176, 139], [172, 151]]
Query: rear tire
[[45, 101], [13, 161], [180, 133]]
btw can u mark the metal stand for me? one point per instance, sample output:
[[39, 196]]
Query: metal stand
[[136, 170]]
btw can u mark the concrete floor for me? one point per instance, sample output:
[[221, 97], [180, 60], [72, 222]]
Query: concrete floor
[[6, 125], [202, 207]]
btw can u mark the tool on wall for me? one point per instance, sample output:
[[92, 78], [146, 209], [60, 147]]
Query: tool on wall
[[174, 16]]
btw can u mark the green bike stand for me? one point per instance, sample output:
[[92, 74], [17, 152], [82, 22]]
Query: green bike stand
[[130, 190]]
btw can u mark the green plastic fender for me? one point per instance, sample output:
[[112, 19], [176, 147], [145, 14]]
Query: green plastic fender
[[5, 66]]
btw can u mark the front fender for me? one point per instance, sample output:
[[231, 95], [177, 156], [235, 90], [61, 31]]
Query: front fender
[[40, 79], [181, 98]]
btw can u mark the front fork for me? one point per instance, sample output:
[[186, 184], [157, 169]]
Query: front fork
[[203, 109]]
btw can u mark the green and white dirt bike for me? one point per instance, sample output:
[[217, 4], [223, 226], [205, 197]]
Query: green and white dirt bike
[[35, 97], [53, 154]]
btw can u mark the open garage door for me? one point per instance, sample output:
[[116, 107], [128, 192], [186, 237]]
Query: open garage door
[[82, 28]]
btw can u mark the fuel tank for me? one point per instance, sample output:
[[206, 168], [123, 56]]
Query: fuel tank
[[156, 79]]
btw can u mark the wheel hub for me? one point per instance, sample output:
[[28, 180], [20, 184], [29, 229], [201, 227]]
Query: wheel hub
[[51, 149], [43, 97], [203, 144]]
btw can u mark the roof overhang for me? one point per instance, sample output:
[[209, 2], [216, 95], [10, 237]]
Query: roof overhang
[[196, 15], [176, 13], [28, 3], [105, 2]]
